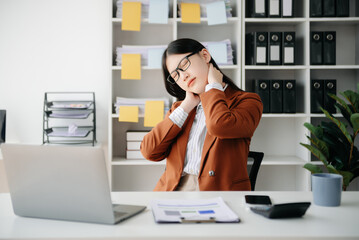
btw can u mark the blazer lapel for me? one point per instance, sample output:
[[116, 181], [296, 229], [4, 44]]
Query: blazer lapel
[[208, 142]]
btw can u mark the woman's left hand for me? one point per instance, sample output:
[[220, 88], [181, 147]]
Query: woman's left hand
[[214, 75]]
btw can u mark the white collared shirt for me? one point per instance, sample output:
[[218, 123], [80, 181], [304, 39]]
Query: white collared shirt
[[197, 134]]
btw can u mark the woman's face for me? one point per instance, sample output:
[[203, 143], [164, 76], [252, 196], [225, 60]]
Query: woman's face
[[195, 78]]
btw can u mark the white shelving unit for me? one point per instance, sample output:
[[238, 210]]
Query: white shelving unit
[[278, 135]]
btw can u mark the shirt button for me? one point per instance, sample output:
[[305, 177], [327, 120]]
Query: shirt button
[[211, 173]]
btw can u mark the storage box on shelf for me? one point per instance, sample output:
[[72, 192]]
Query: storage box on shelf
[[69, 118]]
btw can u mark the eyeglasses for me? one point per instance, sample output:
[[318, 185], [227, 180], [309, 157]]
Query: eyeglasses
[[182, 66]]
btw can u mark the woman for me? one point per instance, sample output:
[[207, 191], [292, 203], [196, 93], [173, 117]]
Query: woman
[[206, 134]]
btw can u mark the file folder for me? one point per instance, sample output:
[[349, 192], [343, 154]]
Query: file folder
[[257, 8], [287, 8], [2, 125], [329, 48], [316, 8], [261, 48], [276, 96], [249, 51], [275, 7], [330, 86], [289, 96], [261, 87], [275, 48], [329, 8], [316, 96], [289, 48], [316, 48], [342, 8]]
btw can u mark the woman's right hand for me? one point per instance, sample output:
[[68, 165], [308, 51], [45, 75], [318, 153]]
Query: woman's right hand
[[191, 101]]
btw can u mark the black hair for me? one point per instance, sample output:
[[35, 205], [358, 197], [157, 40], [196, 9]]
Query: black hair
[[180, 46]]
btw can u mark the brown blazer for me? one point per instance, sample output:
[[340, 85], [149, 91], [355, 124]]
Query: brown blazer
[[231, 118]]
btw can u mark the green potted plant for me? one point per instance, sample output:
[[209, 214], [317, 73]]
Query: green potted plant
[[333, 142]]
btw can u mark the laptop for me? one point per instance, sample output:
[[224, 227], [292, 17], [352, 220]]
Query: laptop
[[63, 183]]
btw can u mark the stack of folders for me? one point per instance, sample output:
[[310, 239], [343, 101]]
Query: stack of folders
[[269, 8], [151, 56], [323, 48], [329, 8], [140, 102], [134, 139], [203, 8], [278, 96], [319, 90], [270, 48]]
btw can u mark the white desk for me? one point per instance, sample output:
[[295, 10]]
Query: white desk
[[318, 223]]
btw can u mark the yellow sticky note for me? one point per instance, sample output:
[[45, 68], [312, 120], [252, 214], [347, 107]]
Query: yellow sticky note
[[154, 111], [131, 66], [131, 16], [128, 114], [191, 13]]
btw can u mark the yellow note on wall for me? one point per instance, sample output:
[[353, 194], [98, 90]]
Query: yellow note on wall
[[191, 13], [154, 111], [131, 66], [128, 114], [131, 16]]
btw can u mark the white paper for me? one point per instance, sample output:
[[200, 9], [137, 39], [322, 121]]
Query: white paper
[[261, 54], [287, 8], [218, 51], [259, 6], [288, 55], [155, 57], [216, 13], [274, 7], [274, 53], [172, 210]]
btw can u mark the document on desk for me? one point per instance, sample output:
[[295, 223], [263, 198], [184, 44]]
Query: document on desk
[[192, 211]]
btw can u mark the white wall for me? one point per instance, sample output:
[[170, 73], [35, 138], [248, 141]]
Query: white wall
[[49, 45]]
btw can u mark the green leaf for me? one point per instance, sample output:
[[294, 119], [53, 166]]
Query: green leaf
[[347, 177], [354, 119], [312, 168], [321, 145], [316, 152], [340, 125], [316, 131], [353, 99], [332, 169], [341, 102]]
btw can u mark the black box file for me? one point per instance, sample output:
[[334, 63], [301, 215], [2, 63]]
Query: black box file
[[257, 8], [288, 48], [316, 8], [275, 48], [257, 48], [329, 8], [329, 48], [316, 48], [330, 86], [342, 8], [276, 96], [289, 96], [261, 87], [316, 96]]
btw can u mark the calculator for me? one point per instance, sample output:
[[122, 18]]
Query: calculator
[[285, 210]]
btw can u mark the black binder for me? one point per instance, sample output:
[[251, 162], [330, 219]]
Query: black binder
[[330, 86], [316, 48], [316, 96], [261, 48], [289, 96], [2, 125], [342, 8], [257, 8], [249, 51], [274, 8], [276, 96], [287, 8], [288, 48], [316, 8], [275, 48], [262, 89], [329, 48], [329, 8]]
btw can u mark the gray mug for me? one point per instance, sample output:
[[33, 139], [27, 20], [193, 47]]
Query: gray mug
[[327, 189]]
